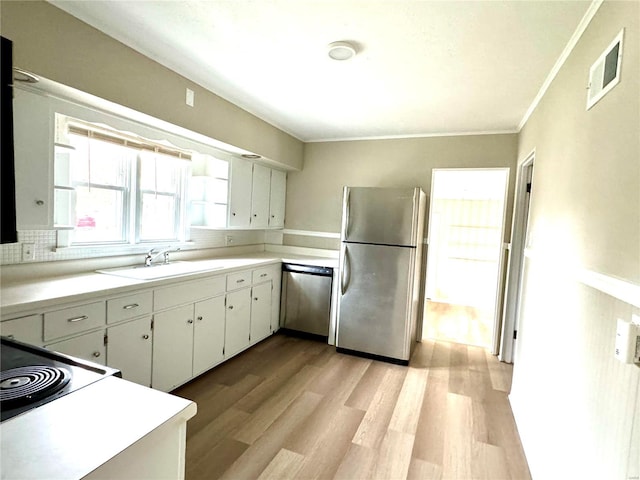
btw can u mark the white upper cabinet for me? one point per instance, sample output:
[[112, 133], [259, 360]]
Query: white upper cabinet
[[33, 144], [261, 185], [240, 194], [257, 196], [277, 198]]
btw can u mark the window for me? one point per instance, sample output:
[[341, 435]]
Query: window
[[116, 188]]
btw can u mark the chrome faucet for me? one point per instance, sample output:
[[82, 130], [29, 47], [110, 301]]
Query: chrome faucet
[[152, 255]]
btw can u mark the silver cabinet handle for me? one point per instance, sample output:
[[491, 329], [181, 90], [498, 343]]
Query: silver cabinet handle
[[130, 306], [77, 319], [255, 298], [11, 337], [233, 214], [96, 354], [230, 307], [190, 320], [240, 281], [145, 336], [200, 318], [263, 275], [39, 202]]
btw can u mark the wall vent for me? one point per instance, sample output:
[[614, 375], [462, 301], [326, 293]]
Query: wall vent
[[604, 74]]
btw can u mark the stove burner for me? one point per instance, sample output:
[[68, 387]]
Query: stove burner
[[24, 385]]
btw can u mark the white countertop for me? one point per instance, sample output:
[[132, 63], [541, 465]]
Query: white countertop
[[72, 436], [25, 296]]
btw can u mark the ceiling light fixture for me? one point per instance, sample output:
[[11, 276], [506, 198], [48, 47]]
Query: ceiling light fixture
[[341, 50], [251, 156]]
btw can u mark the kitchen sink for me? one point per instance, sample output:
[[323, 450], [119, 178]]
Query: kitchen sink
[[160, 270]]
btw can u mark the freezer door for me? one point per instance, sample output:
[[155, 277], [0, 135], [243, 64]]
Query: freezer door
[[375, 299], [383, 216]]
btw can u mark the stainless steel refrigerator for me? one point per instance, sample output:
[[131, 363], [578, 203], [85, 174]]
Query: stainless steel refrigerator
[[380, 271]]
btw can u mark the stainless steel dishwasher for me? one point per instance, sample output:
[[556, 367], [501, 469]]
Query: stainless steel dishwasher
[[306, 300]]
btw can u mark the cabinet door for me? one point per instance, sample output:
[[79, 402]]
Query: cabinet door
[[208, 335], [172, 348], [238, 321], [240, 193], [260, 196], [260, 312], [24, 329], [33, 145], [277, 198], [129, 350], [89, 346]]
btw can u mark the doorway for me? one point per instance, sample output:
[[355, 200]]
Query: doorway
[[465, 245]]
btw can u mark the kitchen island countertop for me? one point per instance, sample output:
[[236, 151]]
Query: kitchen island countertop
[[80, 432]]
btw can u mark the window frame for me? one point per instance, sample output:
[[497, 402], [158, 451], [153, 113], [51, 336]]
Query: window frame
[[132, 201]]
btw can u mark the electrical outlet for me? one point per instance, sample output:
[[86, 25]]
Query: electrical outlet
[[228, 240], [28, 252]]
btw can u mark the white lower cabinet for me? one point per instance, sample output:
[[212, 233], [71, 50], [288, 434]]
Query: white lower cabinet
[[129, 348], [172, 348], [260, 312], [208, 334], [166, 336], [89, 346], [238, 321], [187, 341]]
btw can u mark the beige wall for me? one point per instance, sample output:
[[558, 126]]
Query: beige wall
[[56, 45], [314, 195], [573, 401]]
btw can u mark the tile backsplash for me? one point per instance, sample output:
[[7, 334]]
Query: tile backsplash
[[45, 249]]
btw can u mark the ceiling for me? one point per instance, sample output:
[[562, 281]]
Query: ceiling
[[422, 67]]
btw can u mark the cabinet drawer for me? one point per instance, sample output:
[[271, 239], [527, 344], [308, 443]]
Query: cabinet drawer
[[187, 292], [263, 274], [73, 320], [130, 306], [238, 280], [25, 329]]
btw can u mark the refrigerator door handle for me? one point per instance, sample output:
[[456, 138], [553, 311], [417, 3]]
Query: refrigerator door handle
[[347, 215], [344, 272]]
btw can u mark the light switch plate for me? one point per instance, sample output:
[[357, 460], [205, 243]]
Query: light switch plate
[[627, 348], [190, 97]]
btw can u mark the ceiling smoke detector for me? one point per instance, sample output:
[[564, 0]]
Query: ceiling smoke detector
[[341, 50]]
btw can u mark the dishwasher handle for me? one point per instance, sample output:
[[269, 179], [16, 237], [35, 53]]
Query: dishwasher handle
[[308, 269]]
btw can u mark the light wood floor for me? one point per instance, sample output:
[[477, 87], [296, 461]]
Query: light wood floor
[[458, 323], [293, 408]]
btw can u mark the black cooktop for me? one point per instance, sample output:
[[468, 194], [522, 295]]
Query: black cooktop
[[32, 376]]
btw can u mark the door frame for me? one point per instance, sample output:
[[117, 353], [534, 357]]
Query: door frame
[[496, 334], [515, 265]]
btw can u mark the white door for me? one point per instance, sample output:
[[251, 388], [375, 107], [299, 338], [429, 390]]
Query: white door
[[464, 256], [172, 348], [129, 350], [238, 321], [33, 151], [89, 346], [277, 198], [260, 196], [240, 193], [515, 269], [208, 335], [260, 312]]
